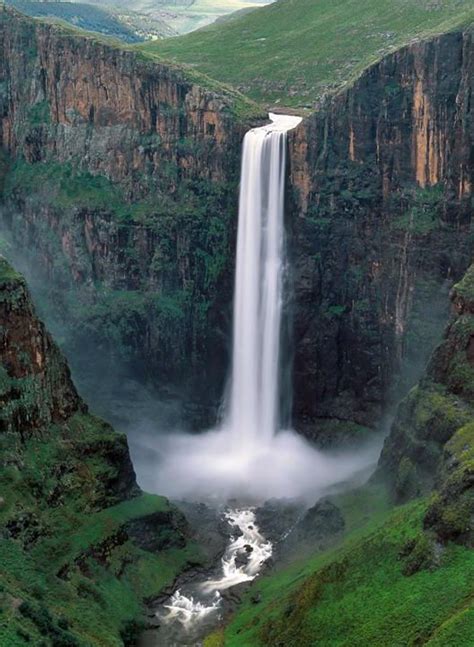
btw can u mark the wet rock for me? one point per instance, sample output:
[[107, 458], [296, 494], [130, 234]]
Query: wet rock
[[322, 520], [243, 556], [208, 527], [276, 517], [158, 531]]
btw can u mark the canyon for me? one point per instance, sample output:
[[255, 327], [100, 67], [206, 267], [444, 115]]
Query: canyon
[[137, 235], [119, 191]]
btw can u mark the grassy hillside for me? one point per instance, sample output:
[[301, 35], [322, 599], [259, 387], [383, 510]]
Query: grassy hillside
[[387, 585], [294, 51], [81, 547]]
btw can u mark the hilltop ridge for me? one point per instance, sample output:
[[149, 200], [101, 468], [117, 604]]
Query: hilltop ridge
[[293, 52]]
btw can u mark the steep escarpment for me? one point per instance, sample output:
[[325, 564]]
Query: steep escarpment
[[81, 545], [380, 227], [120, 176], [120, 186], [37, 389], [431, 441]]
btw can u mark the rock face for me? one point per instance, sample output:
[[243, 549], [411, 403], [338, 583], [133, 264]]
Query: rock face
[[36, 385], [120, 189], [381, 209], [37, 391], [432, 438]]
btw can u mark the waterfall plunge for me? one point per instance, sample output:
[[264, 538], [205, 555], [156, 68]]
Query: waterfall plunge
[[253, 409], [248, 456]]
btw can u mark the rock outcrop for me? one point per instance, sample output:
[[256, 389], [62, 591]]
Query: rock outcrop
[[36, 384], [431, 441]]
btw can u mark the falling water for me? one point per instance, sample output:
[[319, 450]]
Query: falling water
[[253, 410], [249, 456]]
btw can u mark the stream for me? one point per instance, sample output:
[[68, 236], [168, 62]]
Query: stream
[[196, 608]]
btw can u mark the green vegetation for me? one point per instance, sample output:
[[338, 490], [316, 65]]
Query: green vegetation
[[170, 287], [293, 52], [450, 511], [62, 186], [84, 16], [39, 113], [401, 575], [8, 274], [465, 287], [62, 553], [424, 208], [66, 561], [385, 585], [81, 546]]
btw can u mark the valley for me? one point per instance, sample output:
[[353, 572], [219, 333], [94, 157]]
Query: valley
[[275, 313]]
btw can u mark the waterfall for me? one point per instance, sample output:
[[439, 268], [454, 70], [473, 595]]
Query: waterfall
[[244, 458], [254, 399]]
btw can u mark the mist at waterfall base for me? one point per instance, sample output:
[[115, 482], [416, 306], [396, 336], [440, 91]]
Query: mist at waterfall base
[[205, 467], [247, 456]]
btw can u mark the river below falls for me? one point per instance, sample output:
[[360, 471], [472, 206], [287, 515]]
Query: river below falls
[[196, 607]]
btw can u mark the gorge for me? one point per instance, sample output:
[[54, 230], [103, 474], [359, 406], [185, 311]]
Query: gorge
[[256, 365]]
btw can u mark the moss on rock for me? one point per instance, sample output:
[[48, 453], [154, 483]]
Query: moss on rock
[[81, 545]]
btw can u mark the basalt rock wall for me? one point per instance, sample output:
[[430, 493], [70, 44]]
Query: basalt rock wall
[[120, 174], [120, 182], [381, 183]]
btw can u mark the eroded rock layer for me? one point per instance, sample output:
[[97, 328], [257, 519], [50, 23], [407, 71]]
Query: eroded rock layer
[[382, 209]]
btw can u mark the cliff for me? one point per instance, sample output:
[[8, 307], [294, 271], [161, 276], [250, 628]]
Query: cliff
[[431, 440], [120, 186], [76, 532], [381, 184], [120, 191]]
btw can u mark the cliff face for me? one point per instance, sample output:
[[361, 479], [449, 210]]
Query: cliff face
[[120, 177], [105, 109], [36, 385], [75, 529], [382, 204], [121, 187], [431, 441]]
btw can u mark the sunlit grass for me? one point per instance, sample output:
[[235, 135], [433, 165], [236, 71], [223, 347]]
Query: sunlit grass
[[294, 51]]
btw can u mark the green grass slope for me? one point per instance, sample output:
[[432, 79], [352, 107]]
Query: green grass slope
[[388, 584], [294, 51], [81, 547]]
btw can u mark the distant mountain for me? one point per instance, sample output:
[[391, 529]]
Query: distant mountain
[[126, 25], [183, 16]]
